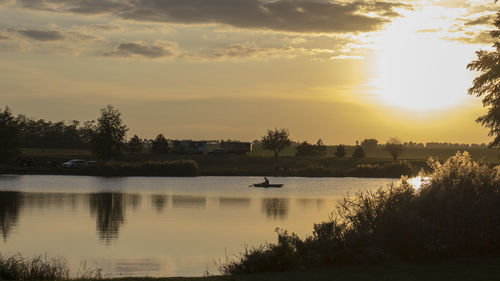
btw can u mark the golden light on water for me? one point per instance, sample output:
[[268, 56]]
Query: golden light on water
[[417, 182]]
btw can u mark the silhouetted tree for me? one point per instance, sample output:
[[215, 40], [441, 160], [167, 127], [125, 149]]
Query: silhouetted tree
[[109, 135], [276, 140], [395, 147], [307, 149], [159, 144], [358, 152], [135, 144], [340, 152], [369, 143], [487, 85], [9, 135], [320, 148]]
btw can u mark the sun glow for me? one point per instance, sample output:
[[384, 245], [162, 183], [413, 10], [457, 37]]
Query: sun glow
[[417, 68]]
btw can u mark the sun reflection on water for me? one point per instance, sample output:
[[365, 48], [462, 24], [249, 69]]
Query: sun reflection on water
[[417, 182]]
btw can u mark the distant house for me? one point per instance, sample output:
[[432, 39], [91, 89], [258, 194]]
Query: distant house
[[236, 147]]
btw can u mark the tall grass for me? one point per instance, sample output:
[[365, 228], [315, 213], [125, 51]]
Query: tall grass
[[40, 268], [17, 267], [456, 212]]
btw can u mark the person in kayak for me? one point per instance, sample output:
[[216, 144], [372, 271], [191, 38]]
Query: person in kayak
[[266, 181]]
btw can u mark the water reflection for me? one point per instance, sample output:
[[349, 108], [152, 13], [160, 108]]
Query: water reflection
[[276, 208], [307, 203], [189, 201], [10, 204], [109, 210], [44, 201], [131, 266], [234, 202], [159, 202]]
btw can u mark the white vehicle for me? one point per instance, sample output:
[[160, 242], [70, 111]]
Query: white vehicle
[[75, 163]]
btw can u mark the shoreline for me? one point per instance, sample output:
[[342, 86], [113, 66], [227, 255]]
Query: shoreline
[[82, 172]]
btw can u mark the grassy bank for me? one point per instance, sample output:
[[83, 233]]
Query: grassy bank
[[135, 164], [378, 163], [462, 269]]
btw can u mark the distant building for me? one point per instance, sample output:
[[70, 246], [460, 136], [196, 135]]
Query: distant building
[[236, 147], [189, 147]]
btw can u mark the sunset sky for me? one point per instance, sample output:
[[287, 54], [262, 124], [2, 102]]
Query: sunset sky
[[217, 69]]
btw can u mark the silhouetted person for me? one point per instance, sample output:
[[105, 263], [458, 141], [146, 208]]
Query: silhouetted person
[[266, 181]]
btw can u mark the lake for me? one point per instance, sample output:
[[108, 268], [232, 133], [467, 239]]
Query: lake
[[153, 226]]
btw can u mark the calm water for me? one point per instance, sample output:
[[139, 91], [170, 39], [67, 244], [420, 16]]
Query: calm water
[[158, 226]]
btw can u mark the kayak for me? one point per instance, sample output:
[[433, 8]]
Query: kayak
[[267, 185]]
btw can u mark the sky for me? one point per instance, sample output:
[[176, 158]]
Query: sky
[[230, 69]]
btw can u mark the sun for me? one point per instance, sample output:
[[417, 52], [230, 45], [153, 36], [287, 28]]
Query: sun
[[417, 68]]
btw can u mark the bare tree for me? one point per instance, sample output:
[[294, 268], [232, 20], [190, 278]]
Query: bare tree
[[395, 147]]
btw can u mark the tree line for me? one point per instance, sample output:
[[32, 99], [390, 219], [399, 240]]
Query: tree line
[[106, 138], [278, 139]]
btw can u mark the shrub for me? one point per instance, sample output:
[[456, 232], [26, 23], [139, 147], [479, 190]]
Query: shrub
[[340, 151], [394, 169], [455, 212], [307, 149], [358, 152]]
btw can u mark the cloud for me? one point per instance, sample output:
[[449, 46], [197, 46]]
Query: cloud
[[134, 49], [41, 35], [6, 2], [483, 38], [52, 35], [280, 15], [244, 52], [430, 30], [483, 20], [105, 27]]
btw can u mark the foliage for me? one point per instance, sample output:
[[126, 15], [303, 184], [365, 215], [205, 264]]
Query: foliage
[[135, 144], [47, 134], [160, 144], [276, 140], [109, 135], [18, 268], [340, 151], [307, 149], [454, 213], [392, 170], [358, 152], [369, 143], [9, 135], [395, 147], [487, 85]]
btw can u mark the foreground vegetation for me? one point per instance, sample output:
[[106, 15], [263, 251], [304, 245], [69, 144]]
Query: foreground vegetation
[[40, 268], [464, 269], [455, 213]]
